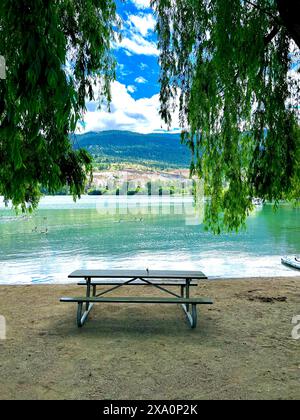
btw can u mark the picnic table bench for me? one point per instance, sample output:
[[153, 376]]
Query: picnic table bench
[[160, 280]]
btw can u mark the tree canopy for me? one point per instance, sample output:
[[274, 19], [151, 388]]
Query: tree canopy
[[56, 52], [229, 62]]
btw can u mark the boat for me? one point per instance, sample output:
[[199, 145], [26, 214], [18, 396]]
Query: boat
[[292, 261]]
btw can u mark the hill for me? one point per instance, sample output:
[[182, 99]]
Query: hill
[[125, 146]]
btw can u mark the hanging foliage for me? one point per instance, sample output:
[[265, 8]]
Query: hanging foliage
[[56, 53], [229, 63]]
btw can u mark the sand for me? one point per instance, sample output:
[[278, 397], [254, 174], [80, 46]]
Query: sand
[[241, 349]]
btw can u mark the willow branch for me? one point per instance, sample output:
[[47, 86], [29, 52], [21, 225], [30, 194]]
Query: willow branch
[[269, 38], [267, 12]]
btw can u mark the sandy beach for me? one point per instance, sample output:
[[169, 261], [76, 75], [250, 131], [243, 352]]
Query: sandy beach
[[241, 349]]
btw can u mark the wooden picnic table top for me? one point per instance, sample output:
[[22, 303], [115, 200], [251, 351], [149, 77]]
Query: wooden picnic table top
[[128, 274]]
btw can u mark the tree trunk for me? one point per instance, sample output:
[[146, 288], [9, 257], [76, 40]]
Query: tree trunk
[[289, 11]]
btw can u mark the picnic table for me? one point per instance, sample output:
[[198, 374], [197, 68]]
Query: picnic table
[[158, 279]]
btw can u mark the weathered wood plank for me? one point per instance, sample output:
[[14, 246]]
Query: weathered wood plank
[[127, 274], [161, 282], [196, 301]]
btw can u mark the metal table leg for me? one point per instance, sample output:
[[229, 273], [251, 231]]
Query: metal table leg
[[88, 292], [187, 292], [194, 316], [191, 315], [82, 317]]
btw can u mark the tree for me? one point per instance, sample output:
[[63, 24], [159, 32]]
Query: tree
[[56, 53], [229, 63]]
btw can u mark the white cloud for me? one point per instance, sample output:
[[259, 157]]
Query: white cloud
[[123, 70], [143, 66], [141, 80], [140, 115], [136, 44], [131, 88], [141, 4], [143, 23], [135, 32]]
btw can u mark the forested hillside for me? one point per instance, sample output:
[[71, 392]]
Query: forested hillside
[[125, 146]]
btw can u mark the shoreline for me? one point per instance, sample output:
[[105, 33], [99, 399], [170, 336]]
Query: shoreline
[[241, 349], [209, 279]]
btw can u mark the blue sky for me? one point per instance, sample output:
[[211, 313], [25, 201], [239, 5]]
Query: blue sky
[[135, 94], [137, 55]]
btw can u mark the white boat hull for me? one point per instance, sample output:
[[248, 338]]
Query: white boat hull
[[292, 261]]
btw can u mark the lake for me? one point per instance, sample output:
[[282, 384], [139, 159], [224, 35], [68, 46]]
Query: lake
[[140, 232]]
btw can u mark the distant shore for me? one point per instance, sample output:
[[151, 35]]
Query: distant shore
[[242, 348]]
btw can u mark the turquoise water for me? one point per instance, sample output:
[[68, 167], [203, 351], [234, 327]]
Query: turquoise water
[[139, 232]]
